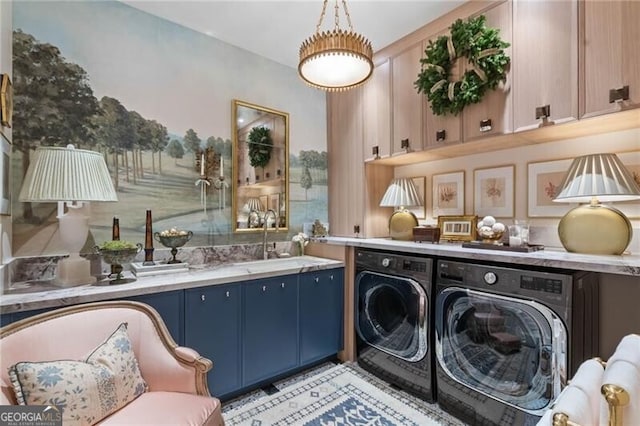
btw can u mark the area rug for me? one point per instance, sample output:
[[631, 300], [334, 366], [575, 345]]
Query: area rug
[[341, 395]]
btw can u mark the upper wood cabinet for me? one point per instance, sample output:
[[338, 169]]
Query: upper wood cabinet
[[494, 114], [544, 62], [377, 113], [407, 102], [439, 130], [610, 55]]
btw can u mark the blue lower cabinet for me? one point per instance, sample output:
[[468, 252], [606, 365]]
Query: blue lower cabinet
[[170, 306], [270, 328], [321, 314], [212, 327]]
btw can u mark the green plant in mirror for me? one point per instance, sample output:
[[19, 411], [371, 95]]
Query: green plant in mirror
[[260, 146]]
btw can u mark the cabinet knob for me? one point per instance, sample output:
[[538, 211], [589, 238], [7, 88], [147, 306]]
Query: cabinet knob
[[316, 279], [282, 285], [227, 294], [202, 297], [441, 135], [404, 144], [485, 125], [543, 111], [621, 94], [264, 288]]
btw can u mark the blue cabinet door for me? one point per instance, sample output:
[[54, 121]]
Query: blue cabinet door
[[212, 327], [270, 328], [321, 314], [170, 306]]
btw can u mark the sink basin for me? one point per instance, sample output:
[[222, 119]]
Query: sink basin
[[276, 263]]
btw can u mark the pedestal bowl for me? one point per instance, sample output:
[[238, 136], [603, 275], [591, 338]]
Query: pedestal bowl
[[116, 258], [173, 241]]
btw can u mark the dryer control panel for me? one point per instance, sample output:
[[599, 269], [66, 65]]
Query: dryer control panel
[[548, 285]]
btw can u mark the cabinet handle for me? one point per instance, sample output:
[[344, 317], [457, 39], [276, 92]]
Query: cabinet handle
[[317, 279], [356, 229], [227, 294], [543, 111], [282, 285], [621, 94], [264, 288], [202, 297], [404, 144], [331, 277], [441, 135], [375, 152], [485, 125]]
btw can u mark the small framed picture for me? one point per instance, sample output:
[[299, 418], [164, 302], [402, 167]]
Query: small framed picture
[[274, 202], [494, 191], [543, 185], [5, 172], [419, 211], [457, 228], [448, 194]]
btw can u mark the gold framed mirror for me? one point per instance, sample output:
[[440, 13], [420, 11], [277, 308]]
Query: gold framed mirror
[[260, 166]]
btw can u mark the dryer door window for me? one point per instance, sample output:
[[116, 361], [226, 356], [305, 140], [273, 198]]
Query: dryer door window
[[502, 347], [391, 314]]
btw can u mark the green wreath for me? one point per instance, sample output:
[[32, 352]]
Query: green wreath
[[260, 146], [486, 66]]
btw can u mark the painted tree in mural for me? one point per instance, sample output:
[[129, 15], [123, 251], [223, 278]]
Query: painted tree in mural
[[192, 142], [141, 142], [175, 150], [220, 145], [53, 102], [158, 143], [305, 181]]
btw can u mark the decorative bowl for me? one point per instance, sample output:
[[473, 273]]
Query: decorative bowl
[[173, 242], [118, 257], [490, 236]]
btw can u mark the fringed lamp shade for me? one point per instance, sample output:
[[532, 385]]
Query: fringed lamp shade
[[401, 193], [595, 228], [67, 174]]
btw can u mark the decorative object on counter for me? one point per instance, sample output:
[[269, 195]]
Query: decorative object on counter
[[148, 240], [519, 233], [426, 233], [472, 49], [116, 253], [335, 60], [300, 240], [457, 228], [70, 177], [448, 194], [173, 238], [318, 229], [494, 191], [115, 236], [489, 230], [6, 100], [595, 228], [401, 193]]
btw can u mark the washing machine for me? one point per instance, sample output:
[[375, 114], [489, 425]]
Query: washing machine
[[394, 336], [507, 339]]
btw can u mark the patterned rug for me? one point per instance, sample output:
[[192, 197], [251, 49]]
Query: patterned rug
[[341, 395]]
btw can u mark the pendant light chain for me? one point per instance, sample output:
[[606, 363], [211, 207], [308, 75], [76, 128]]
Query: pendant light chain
[[324, 9], [337, 16], [346, 12]]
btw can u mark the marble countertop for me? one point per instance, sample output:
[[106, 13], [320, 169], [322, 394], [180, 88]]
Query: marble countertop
[[550, 258], [44, 294]]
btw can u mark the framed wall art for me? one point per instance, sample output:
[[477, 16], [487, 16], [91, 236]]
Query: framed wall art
[[6, 100], [457, 228], [5, 169], [448, 194], [274, 202], [494, 191], [543, 184], [421, 210]]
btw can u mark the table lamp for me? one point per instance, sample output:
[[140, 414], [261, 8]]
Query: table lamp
[[69, 176], [401, 193], [595, 228]]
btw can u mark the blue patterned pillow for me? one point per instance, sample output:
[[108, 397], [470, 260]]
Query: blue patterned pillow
[[87, 390]]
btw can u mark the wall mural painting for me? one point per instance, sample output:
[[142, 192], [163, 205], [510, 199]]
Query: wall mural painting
[[156, 107]]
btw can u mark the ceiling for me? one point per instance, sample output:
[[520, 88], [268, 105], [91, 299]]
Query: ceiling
[[275, 29]]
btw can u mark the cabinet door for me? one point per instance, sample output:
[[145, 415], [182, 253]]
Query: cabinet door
[[345, 163], [377, 113], [270, 328], [544, 61], [493, 114], [170, 306], [439, 130], [610, 54], [212, 327], [407, 102], [321, 314]]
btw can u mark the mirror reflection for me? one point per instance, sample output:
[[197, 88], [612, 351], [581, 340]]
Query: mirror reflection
[[260, 158]]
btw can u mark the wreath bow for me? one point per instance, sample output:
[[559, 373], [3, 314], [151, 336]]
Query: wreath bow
[[484, 69]]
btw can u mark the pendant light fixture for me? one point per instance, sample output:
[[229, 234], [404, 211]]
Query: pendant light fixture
[[338, 59]]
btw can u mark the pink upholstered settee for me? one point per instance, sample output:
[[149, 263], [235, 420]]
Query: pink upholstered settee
[[176, 376]]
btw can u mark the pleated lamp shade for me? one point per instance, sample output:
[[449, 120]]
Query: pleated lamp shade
[[67, 174], [254, 204], [596, 228], [401, 193]]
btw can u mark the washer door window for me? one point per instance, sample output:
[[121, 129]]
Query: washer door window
[[502, 347], [392, 314]]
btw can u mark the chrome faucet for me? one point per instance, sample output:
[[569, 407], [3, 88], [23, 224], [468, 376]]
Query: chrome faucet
[[265, 251]]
